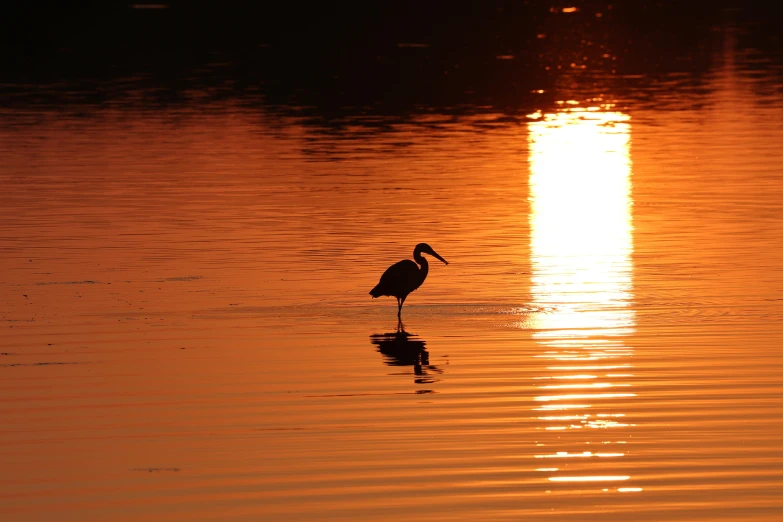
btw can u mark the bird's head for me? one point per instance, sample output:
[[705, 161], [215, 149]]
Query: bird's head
[[424, 248]]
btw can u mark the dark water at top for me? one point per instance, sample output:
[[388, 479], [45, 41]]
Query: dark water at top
[[191, 220]]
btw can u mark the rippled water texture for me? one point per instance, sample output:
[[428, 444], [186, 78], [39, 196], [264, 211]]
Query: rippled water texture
[[187, 332]]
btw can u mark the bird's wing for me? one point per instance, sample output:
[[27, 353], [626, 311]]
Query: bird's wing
[[401, 278], [403, 270]]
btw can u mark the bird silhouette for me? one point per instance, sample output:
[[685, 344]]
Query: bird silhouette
[[404, 277]]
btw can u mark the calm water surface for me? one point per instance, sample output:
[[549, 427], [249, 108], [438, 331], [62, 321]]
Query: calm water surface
[[187, 332]]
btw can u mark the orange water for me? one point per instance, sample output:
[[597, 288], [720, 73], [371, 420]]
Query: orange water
[[187, 333]]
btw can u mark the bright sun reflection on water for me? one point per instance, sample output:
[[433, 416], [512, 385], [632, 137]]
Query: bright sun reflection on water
[[581, 244], [581, 231]]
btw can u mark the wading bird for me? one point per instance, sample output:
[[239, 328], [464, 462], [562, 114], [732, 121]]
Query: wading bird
[[404, 277]]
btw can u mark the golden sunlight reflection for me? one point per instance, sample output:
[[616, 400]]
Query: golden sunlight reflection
[[597, 478], [581, 221], [581, 282]]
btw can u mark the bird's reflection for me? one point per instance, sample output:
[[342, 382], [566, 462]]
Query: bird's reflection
[[400, 348]]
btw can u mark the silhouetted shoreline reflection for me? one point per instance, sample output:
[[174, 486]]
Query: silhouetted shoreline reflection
[[401, 348], [291, 63]]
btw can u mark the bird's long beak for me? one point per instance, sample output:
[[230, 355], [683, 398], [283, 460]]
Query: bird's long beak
[[436, 255]]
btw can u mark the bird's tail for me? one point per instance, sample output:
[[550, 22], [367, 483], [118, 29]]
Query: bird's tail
[[376, 292]]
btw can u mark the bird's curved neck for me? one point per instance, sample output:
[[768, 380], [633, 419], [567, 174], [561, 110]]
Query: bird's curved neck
[[422, 261]]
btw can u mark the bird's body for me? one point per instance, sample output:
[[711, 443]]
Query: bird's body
[[404, 277]]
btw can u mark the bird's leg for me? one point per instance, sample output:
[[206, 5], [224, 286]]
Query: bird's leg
[[399, 308]]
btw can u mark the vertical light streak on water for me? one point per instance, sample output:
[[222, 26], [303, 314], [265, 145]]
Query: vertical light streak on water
[[581, 244]]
